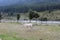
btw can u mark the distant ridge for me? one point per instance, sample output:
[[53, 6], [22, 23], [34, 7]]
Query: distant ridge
[[25, 5]]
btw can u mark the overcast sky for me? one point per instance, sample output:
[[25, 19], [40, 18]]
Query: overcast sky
[[7, 2]]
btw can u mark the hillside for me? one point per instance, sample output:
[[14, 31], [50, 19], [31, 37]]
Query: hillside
[[53, 16]]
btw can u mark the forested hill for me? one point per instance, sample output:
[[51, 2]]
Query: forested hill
[[25, 5]]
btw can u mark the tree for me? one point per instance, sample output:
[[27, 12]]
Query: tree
[[31, 15], [18, 17], [36, 15], [0, 17]]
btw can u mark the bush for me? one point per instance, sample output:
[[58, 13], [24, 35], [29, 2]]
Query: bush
[[43, 19]]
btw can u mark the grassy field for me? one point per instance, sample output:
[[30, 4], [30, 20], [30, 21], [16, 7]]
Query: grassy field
[[16, 31]]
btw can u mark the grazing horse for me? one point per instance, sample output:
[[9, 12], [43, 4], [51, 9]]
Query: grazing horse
[[28, 25]]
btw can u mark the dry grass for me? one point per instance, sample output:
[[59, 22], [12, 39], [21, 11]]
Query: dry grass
[[43, 32]]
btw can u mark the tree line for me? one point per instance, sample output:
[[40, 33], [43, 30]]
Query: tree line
[[25, 9], [31, 15]]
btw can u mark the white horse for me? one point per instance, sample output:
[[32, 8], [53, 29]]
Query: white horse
[[28, 25]]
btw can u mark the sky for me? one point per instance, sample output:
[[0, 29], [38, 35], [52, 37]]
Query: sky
[[10, 2], [7, 2]]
